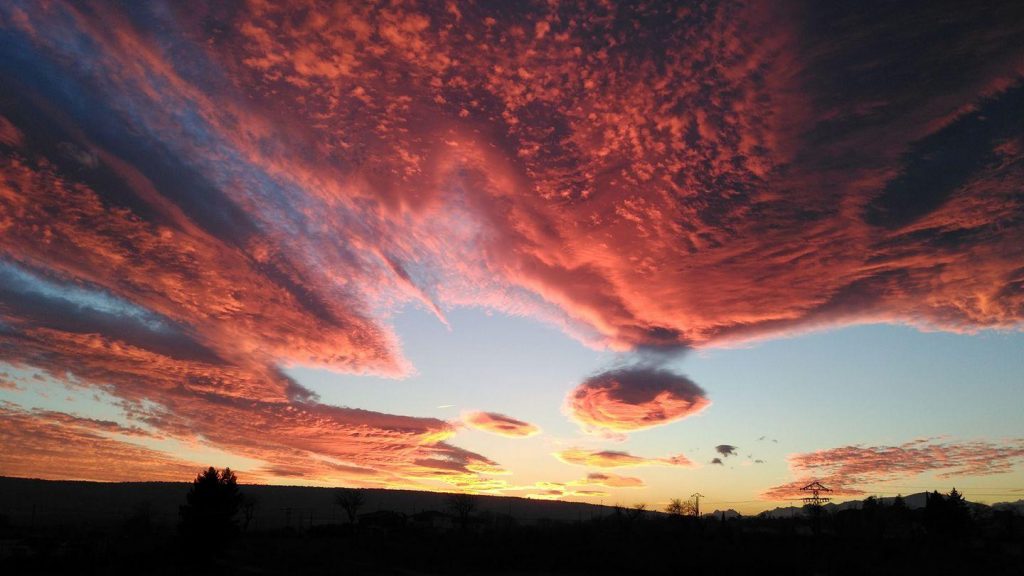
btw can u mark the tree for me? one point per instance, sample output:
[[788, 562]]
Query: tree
[[462, 505], [208, 516], [678, 507], [959, 516], [350, 500], [956, 500]]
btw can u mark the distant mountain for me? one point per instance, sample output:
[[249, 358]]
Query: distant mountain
[[720, 514], [912, 501], [1017, 506]]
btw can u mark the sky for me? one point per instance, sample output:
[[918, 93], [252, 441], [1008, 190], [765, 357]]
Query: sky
[[601, 252]]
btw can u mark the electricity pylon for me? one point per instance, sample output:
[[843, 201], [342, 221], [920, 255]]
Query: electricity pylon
[[816, 499]]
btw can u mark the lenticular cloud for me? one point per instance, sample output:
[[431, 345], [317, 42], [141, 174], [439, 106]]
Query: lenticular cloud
[[634, 398], [499, 424]]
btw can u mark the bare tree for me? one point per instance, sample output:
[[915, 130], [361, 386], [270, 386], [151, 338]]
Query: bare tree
[[350, 500], [678, 507], [462, 505]]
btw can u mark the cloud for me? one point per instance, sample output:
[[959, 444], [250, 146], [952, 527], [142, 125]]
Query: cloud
[[554, 491], [610, 480], [616, 459], [233, 407], [58, 446], [634, 398], [726, 449], [849, 469], [199, 215], [499, 424]]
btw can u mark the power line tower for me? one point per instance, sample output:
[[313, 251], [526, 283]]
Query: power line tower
[[696, 503], [815, 501]]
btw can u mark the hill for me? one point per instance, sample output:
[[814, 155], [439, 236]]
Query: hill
[[49, 502]]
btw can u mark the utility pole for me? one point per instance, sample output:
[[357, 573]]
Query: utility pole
[[696, 503]]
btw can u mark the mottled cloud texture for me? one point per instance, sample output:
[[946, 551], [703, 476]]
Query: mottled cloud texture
[[628, 399], [846, 470], [58, 446], [230, 188], [499, 424], [616, 459]]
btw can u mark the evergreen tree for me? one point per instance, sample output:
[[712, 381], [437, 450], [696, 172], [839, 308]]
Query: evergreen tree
[[207, 520]]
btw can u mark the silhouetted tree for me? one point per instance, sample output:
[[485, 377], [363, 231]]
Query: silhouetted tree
[[678, 507], [898, 503], [208, 517], [946, 515], [956, 499], [350, 500], [958, 516], [462, 505]]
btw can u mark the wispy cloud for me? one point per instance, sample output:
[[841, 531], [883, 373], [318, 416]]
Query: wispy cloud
[[610, 480], [58, 446], [499, 424], [616, 459], [850, 469]]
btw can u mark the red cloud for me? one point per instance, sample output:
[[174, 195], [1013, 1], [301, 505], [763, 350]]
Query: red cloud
[[58, 446], [630, 399], [257, 199], [189, 400], [616, 459], [499, 424], [845, 470]]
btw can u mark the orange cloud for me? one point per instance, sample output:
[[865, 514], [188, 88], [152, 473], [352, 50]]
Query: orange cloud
[[189, 400], [499, 424], [847, 470], [616, 459], [57, 446], [628, 399]]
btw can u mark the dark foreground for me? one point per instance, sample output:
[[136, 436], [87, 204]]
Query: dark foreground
[[615, 544], [42, 532]]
